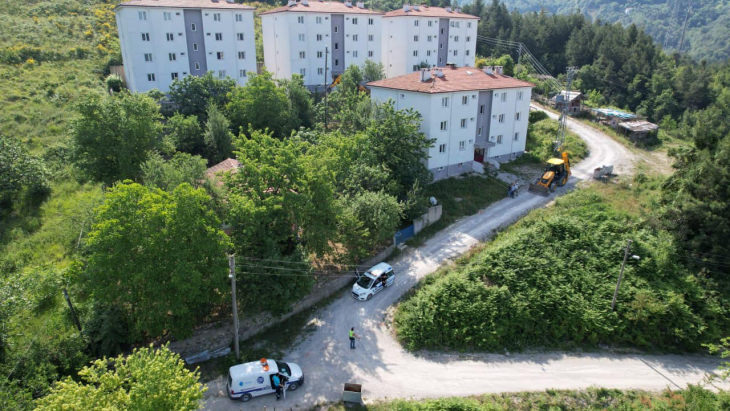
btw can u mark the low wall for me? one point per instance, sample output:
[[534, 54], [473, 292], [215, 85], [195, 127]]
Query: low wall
[[214, 336], [433, 215]]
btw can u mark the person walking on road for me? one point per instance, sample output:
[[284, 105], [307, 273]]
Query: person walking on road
[[352, 338]]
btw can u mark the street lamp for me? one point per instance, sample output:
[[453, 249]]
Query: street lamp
[[232, 276]]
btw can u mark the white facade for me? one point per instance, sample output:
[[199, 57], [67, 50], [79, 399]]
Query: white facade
[[457, 121], [415, 38], [297, 42], [160, 44]]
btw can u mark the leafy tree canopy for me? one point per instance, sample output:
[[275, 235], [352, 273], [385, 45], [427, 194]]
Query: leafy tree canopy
[[19, 171], [168, 175], [192, 94], [218, 138], [261, 105]]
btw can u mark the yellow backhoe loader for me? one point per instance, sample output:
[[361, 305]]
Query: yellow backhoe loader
[[556, 174]]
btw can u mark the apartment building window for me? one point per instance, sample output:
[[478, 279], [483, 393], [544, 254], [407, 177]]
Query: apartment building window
[[517, 116], [354, 21], [142, 15], [193, 27], [464, 100], [439, 60], [501, 118], [302, 54], [444, 125], [462, 145], [195, 46], [354, 37], [239, 17], [170, 36], [319, 37], [337, 62], [463, 123], [147, 57], [337, 46], [371, 22], [416, 67], [337, 29], [442, 31], [428, 53], [300, 19], [442, 148], [371, 37], [444, 101], [301, 37], [517, 136], [415, 23], [479, 132], [242, 73], [468, 25], [430, 23], [519, 95], [172, 56], [466, 52], [456, 38], [441, 45], [240, 36], [173, 76], [458, 24], [241, 55], [303, 71], [221, 73], [499, 139], [145, 36], [428, 38], [216, 17], [370, 53], [220, 55], [197, 66], [354, 54], [319, 54], [456, 53], [481, 109], [452, 24], [318, 20], [320, 71], [415, 38], [468, 39], [151, 77], [504, 96], [415, 53], [167, 16]]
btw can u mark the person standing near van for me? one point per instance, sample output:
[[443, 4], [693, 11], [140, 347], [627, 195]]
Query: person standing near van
[[352, 338], [277, 384]]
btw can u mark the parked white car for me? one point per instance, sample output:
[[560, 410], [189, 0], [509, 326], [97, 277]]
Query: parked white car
[[252, 379], [373, 281]]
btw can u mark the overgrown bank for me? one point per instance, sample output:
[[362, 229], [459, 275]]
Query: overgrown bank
[[548, 281]]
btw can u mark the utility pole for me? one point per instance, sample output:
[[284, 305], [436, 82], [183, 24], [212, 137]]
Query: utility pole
[[326, 57], [73, 312], [684, 27], [621, 274], [232, 276]]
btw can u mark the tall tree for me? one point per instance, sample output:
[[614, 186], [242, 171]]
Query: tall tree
[[372, 71], [112, 134], [193, 94], [185, 133], [300, 102], [20, 173], [168, 174], [158, 256], [218, 137], [261, 105]]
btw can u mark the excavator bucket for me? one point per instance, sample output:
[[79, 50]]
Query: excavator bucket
[[539, 189]]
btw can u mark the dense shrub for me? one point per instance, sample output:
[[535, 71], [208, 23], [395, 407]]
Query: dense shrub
[[541, 140], [549, 282]]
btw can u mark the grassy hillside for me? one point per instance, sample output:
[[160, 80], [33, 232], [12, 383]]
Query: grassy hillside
[[548, 282], [706, 36]]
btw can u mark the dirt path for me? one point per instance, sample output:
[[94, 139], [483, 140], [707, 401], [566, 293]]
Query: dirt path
[[386, 370]]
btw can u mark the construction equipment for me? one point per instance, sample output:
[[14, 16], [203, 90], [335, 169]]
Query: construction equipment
[[556, 174]]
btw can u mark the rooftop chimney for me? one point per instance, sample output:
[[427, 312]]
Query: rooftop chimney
[[406, 7], [438, 72], [305, 2], [448, 9], [360, 5], [498, 69], [230, 1], [458, 9], [348, 3], [488, 70], [291, 3], [425, 74], [415, 7]]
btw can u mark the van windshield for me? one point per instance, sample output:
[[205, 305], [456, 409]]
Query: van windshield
[[365, 282], [284, 368]]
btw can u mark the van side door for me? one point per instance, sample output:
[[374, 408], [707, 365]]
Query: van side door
[[391, 278]]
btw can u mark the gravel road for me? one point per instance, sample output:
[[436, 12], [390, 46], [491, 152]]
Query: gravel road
[[386, 370]]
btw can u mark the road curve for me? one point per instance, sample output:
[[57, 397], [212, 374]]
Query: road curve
[[386, 370]]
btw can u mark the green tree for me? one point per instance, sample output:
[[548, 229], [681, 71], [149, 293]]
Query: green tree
[[147, 380], [218, 137], [193, 94], [112, 134], [21, 174], [300, 102], [372, 71], [158, 256], [167, 175], [261, 105], [380, 214], [185, 133]]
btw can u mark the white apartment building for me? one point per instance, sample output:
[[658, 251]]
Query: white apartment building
[[472, 114], [299, 37], [417, 36], [162, 40]]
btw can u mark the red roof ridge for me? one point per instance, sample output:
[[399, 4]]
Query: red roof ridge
[[453, 79]]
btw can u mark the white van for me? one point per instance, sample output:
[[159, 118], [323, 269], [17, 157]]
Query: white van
[[373, 281], [252, 379]]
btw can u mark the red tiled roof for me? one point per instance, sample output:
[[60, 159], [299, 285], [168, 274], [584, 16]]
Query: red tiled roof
[[186, 4], [317, 6], [454, 79], [426, 11], [229, 164]]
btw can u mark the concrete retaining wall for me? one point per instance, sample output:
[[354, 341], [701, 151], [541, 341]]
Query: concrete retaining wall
[[433, 215]]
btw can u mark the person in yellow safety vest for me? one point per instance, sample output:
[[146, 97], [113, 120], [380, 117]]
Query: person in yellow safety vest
[[352, 338]]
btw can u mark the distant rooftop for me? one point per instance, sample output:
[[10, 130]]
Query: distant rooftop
[[610, 112], [453, 79], [186, 4], [639, 126], [569, 95], [316, 6], [429, 11], [228, 165]]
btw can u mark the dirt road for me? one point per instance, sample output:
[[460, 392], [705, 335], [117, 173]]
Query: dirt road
[[387, 371]]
